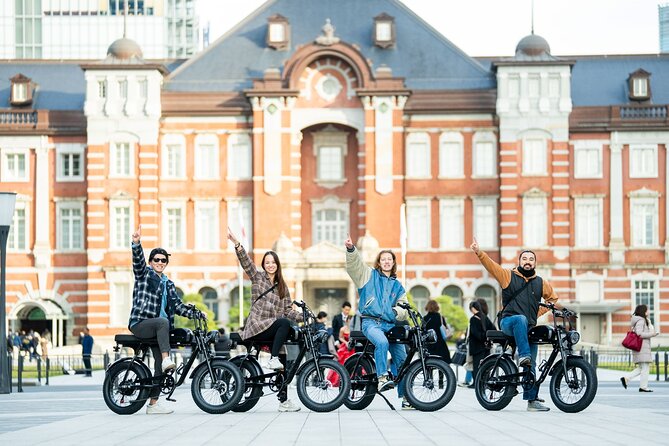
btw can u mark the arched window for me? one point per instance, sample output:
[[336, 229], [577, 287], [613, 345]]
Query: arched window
[[454, 292], [210, 299], [420, 296], [488, 293]]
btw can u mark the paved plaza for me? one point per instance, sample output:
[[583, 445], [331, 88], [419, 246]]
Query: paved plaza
[[71, 412]]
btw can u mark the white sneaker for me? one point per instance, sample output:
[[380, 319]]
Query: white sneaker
[[168, 364], [156, 409], [288, 406], [274, 363]]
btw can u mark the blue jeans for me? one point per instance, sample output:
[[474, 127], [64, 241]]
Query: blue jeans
[[517, 327], [375, 332]]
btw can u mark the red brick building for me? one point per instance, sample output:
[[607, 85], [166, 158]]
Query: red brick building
[[304, 132]]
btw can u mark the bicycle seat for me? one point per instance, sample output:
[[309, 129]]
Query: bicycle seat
[[499, 337], [293, 337], [132, 341]]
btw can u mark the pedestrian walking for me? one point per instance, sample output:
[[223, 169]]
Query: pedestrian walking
[[87, 350], [434, 320], [641, 325], [478, 346]]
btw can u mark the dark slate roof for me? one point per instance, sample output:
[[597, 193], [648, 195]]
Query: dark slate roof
[[60, 85], [425, 58], [602, 80]]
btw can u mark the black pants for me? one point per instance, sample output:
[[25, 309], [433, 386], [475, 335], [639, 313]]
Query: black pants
[[277, 333], [87, 365], [476, 362], [156, 328]]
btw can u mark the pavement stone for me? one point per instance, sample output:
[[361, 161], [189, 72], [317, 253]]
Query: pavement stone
[[71, 411]]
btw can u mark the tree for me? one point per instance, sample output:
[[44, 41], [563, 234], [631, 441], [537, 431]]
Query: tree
[[233, 314], [198, 301]]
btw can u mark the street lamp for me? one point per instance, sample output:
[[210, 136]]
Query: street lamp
[[7, 203]]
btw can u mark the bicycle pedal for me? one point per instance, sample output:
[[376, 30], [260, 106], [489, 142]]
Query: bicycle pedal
[[171, 399]]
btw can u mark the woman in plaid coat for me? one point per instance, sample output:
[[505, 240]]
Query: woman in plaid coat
[[271, 309]]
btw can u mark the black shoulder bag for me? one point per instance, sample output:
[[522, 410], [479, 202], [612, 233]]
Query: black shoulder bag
[[264, 293], [498, 318]]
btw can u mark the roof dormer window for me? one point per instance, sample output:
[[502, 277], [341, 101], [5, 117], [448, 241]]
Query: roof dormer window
[[21, 90], [278, 32], [639, 85], [384, 31]]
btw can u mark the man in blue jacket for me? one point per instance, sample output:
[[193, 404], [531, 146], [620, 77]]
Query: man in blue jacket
[[379, 291], [87, 350]]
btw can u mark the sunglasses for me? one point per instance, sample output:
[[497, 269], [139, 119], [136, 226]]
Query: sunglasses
[[159, 259]]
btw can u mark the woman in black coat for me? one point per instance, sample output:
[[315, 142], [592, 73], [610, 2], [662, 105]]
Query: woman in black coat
[[434, 320], [479, 324]]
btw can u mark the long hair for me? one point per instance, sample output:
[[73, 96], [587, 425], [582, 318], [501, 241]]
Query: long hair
[[377, 262], [278, 276], [432, 306], [640, 311], [481, 314], [484, 305]]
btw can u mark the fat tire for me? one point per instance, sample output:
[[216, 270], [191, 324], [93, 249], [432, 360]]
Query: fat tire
[[449, 380], [237, 392], [252, 393], [345, 386], [370, 389], [118, 370], [480, 386], [591, 381]]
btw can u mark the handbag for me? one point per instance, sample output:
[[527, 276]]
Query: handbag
[[632, 341], [460, 356], [444, 329]]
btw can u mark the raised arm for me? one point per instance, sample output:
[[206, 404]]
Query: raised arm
[[247, 264], [139, 267], [503, 276], [355, 267]]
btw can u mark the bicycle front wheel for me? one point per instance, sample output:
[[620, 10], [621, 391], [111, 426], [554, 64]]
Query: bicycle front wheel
[[431, 388], [219, 391], [323, 388], [575, 391]]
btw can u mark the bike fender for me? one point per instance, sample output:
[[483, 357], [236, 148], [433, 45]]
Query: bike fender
[[325, 356], [238, 360], [355, 357], [506, 357], [204, 364], [559, 364], [129, 359]]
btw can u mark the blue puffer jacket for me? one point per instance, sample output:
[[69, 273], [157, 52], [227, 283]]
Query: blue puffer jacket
[[379, 294]]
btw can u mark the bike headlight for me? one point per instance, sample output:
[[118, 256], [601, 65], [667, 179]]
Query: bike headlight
[[320, 337], [574, 337], [429, 336], [213, 336]]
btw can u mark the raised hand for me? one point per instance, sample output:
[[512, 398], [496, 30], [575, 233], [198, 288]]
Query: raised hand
[[137, 235], [475, 246], [232, 237], [348, 242]]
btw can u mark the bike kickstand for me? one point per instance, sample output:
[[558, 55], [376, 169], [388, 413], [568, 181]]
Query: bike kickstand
[[386, 400]]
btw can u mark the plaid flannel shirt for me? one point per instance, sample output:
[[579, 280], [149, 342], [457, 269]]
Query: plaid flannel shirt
[[147, 294], [268, 309]]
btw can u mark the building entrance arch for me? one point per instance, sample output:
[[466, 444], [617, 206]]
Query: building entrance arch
[[40, 315]]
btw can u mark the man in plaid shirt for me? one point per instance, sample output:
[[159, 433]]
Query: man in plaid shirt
[[154, 303]]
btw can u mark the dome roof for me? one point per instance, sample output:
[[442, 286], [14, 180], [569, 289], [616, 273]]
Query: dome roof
[[124, 49], [533, 46]]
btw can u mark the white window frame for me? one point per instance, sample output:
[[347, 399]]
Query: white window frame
[[644, 197], [484, 137], [533, 236], [24, 205], [114, 234], [417, 168], [478, 202], [451, 238], [215, 242], [238, 142], [453, 160], [277, 32], [122, 84], [640, 87], [584, 152], [581, 223], [635, 168], [384, 31], [645, 277], [326, 204], [102, 88], [173, 141], [202, 165], [425, 227], [234, 205], [113, 148], [330, 137], [67, 150], [535, 156], [167, 243], [119, 314], [73, 205], [9, 176]]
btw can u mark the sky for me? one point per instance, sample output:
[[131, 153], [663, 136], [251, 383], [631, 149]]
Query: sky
[[494, 27]]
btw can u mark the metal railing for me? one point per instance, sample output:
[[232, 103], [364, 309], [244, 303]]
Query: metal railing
[[18, 117]]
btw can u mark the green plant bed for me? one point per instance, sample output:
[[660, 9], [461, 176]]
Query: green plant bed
[[30, 372], [625, 367]]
